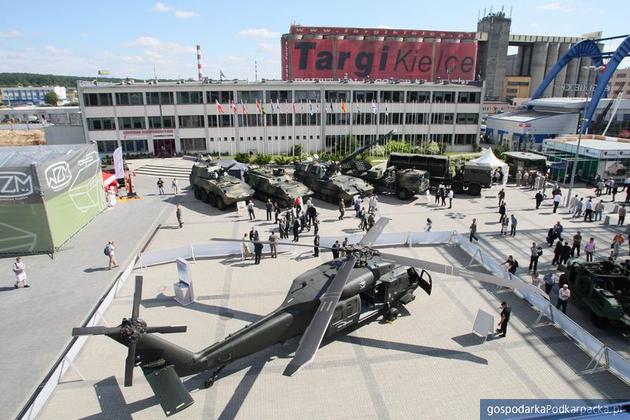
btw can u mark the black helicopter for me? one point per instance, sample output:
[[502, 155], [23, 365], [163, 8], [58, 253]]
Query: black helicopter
[[334, 296]]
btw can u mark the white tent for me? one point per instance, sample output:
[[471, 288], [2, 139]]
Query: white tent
[[490, 161]]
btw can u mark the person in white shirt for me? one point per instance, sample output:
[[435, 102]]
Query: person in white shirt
[[175, 186], [556, 202], [110, 251], [563, 297], [450, 198], [19, 268]]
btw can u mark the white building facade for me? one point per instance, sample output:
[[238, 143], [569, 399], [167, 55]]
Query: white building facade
[[229, 117], [31, 95]]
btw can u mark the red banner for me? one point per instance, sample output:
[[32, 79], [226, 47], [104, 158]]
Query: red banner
[[359, 59]]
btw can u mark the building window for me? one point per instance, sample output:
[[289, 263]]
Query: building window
[[416, 118], [514, 83], [337, 96], [129, 98], [167, 121], [307, 95], [278, 95], [421, 96], [95, 124], [444, 97], [468, 97], [191, 121], [442, 119], [467, 118], [465, 138], [193, 145], [221, 120], [250, 96], [134, 146], [97, 99], [364, 95], [392, 96], [127, 123], [221, 96], [106, 146], [159, 98], [184, 98]]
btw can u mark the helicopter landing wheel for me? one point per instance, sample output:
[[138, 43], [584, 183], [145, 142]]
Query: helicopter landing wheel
[[212, 379], [392, 314]]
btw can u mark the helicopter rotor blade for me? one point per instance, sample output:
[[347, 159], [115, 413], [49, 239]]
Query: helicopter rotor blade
[[449, 270], [130, 363], [372, 235], [312, 337], [95, 331], [137, 297], [166, 330]]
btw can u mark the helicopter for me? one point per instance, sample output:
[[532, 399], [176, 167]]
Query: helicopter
[[339, 294]]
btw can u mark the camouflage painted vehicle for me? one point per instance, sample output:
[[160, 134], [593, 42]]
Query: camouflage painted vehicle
[[274, 183], [604, 287], [404, 183], [212, 184], [323, 178]]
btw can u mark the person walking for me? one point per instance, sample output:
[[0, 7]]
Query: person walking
[[556, 201], [258, 247], [504, 225], [588, 210], [539, 199], [451, 194], [501, 197], [614, 191], [565, 254], [622, 215], [160, 185], [577, 244], [428, 226], [473, 231], [110, 251], [178, 214], [296, 230], [578, 208], [316, 246], [246, 253], [316, 225], [589, 249], [276, 211], [175, 186], [519, 176], [615, 247], [273, 246], [556, 252], [342, 209], [549, 279], [536, 279], [344, 247], [427, 194], [599, 211], [502, 212], [253, 234], [510, 265], [335, 249], [513, 223], [563, 298], [534, 253], [250, 210], [269, 209], [19, 269], [505, 318], [572, 204]]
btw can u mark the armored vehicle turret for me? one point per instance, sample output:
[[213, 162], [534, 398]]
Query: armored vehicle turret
[[212, 184], [274, 183]]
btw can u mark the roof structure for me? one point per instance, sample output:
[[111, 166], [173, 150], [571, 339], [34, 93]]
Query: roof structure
[[21, 156]]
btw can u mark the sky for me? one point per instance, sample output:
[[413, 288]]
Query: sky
[[138, 38]]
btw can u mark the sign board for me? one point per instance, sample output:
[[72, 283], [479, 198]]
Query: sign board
[[375, 59], [484, 324], [119, 170], [143, 134], [183, 272], [240, 208]]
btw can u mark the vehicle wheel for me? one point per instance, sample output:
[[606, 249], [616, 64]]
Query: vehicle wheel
[[212, 199], [599, 321], [392, 313], [197, 193], [203, 196], [220, 203], [403, 194], [474, 189]]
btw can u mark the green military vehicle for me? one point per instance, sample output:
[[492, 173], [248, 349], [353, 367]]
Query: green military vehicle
[[604, 287], [212, 184], [274, 183]]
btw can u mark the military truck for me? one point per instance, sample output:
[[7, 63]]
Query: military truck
[[212, 184], [604, 287], [468, 180], [274, 183]]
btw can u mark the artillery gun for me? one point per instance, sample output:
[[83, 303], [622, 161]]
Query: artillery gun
[[274, 183], [212, 184], [604, 287]]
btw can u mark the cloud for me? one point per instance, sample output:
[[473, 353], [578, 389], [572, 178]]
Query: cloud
[[381, 26], [54, 50], [258, 33], [157, 45], [180, 14], [268, 48], [549, 6], [13, 33]]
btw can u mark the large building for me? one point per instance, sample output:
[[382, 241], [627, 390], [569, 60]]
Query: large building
[[620, 84], [229, 117], [433, 55], [30, 95]]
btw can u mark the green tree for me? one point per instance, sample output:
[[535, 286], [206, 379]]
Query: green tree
[[397, 146], [51, 98], [242, 157], [433, 148]]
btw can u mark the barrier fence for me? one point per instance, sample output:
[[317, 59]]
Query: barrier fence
[[600, 354]]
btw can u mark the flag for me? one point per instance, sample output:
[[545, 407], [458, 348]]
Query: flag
[[234, 108], [243, 109], [374, 107], [258, 107], [386, 109], [293, 106], [357, 108], [310, 108], [278, 105], [220, 109], [262, 108], [343, 107]]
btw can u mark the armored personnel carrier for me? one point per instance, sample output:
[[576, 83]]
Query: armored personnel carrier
[[604, 287], [275, 184], [212, 184]]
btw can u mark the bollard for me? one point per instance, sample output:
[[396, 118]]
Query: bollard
[[607, 220]]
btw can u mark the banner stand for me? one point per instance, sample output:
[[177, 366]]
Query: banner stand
[[598, 363], [72, 366]]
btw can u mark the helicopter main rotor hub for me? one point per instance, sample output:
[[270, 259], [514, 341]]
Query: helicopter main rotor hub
[[362, 253], [132, 329]]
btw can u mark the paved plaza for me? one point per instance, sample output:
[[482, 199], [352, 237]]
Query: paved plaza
[[425, 363]]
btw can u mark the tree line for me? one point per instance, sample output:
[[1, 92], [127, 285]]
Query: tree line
[[36, 79]]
